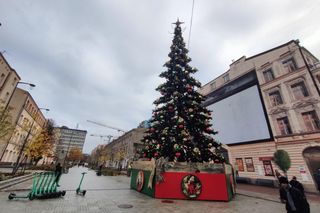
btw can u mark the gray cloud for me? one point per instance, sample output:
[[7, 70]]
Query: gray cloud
[[100, 60]]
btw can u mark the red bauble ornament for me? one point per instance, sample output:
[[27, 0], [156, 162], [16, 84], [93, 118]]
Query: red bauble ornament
[[170, 108], [181, 126], [152, 130], [209, 129], [144, 155], [178, 154], [156, 154]]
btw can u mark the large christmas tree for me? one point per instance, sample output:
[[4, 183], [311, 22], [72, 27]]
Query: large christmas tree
[[180, 127]]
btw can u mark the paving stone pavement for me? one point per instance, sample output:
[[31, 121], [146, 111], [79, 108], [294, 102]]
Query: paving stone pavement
[[105, 194]]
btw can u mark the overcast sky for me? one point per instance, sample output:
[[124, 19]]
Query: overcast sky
[[100, 60]]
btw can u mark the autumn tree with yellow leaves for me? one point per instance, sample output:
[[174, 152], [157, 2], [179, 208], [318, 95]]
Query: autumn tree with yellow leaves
[[75, 154], [42, 144]]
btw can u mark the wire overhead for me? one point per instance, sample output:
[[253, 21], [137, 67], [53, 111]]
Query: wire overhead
[[190, 25]]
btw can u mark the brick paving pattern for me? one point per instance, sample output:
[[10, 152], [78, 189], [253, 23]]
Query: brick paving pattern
[[107, 194]]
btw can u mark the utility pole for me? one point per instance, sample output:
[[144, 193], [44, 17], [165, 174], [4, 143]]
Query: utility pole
[[17, 164]]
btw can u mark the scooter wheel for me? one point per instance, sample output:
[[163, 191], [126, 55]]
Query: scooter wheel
[[63, 193], [11, 196], [31, 197], [84, 192]]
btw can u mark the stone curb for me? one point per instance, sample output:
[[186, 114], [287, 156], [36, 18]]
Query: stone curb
[[257, 195], [13, 181]]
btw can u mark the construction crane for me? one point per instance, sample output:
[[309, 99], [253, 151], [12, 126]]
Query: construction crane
[[110, 127], [102, 136]]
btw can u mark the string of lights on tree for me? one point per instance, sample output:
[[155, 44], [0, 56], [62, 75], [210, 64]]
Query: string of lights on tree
[[180, 127]]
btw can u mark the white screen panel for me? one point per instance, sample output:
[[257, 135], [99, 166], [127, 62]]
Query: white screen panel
[[240, 117]]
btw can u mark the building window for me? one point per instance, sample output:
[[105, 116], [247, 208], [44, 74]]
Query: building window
[[268, 168], [299, 90], [284, 126], [213, 85], [226, 78], [239, 163], [318, 78], [2, 77], [6, 97], [275, 98], [14, 81], [249, 164], [311, 120], [290, 65], [268, 75]]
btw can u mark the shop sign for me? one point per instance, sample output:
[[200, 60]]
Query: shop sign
[[265, 158], [303, 173]]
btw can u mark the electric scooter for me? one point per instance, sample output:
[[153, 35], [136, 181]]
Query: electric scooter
[[78, 190]]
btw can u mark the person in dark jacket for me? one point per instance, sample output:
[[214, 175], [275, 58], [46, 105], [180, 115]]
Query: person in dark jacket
[[295, 201], [58, 173], [293, 182], [99, 172]]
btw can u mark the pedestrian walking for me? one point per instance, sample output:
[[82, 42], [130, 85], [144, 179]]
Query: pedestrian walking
[[295, 183], [129, 169], [58, 173], [99, 172], [295, 201], [277, 174]]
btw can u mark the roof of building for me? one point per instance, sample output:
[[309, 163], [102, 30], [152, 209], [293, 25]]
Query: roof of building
[[65, 127], [13, 70], [251, 57]]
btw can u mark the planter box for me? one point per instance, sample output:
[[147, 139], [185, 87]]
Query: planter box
[[197, 186], [136, 184], [183, 181]]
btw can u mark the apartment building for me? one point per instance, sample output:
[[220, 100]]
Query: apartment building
[[9, 79], [267, 102], [8, 82], [68, 139], [119, 152], [28, 121]]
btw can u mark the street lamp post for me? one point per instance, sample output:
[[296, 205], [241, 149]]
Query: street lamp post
[[17, 164], [20, 82], [6, 107]]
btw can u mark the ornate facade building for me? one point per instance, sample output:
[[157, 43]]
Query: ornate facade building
[[268, 102]]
